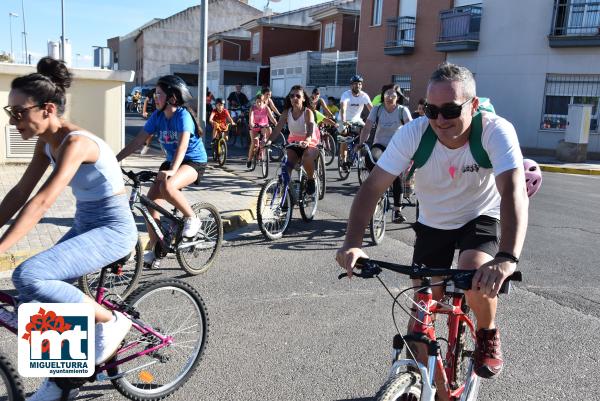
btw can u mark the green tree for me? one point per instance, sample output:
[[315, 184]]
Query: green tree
[[5, 58]]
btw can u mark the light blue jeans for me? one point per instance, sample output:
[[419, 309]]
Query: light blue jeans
[[103, 231]]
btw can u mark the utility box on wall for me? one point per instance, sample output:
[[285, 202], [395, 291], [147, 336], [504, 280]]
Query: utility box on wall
[[574, 147]]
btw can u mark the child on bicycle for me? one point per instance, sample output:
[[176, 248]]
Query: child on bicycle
[[175, 125], [260, 115], [103, 229], [219, 119]]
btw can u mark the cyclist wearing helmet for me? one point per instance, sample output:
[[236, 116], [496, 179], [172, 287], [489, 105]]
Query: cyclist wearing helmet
[[175, 126], [352, 103], [462, 204]]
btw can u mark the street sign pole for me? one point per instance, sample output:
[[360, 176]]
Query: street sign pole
[[202, 64]]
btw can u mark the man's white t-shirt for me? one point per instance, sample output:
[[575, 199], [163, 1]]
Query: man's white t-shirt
[[451, 187], [355, 105]]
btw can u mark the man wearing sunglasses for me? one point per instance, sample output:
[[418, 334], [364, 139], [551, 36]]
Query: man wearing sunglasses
[[463, 205]]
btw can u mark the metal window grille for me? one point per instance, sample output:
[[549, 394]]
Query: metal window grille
[[326, 69], [576, 18], [561, 91], [403, 81]]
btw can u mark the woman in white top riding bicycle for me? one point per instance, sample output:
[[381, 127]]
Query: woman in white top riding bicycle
[[103, 229], [300, 118]]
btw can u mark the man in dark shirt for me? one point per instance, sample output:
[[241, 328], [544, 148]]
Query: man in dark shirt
[[238, 98]]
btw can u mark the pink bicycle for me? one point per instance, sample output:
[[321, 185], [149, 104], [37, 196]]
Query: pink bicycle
[[160, 353]]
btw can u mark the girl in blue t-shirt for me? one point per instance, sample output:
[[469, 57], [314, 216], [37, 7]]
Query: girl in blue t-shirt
[[175, 127]]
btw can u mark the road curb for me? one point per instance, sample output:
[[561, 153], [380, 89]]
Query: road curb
[[232, 221], [569, 170]]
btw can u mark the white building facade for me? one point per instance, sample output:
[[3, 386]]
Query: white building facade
[[535, 58]]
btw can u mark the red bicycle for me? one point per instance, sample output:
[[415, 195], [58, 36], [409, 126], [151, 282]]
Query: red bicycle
[[409, 379]]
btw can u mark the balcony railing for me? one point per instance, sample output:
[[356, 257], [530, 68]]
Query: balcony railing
[[400, 36], [459, 29], [575, 23]]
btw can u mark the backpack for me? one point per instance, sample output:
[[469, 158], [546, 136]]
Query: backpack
[[429, 139]]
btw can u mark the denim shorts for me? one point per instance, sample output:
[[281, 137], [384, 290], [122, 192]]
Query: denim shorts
[[103, 231]]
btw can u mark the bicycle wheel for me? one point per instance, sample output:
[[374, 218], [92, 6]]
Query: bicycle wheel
[[222, 152], [330, 149], [463, 360], [274, 209], [10, 381], [197, 258], [343, 168], [308, 203], [321, 175], [362, 170], [405, 386], [120, 282], [172, 308], [264, 161], [377, 223]]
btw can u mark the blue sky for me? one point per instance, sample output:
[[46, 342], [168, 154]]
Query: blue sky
[[90, 22]]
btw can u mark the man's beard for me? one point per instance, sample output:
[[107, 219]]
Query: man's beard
[[356, 91]]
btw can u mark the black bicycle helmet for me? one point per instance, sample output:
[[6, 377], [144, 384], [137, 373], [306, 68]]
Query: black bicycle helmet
[[356, 78], [173, 85]]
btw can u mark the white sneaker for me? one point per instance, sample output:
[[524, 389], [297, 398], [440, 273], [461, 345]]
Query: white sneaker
[[109, 336], [144, 150], [9, 318], [49, 391], [150, 260], [191, 226]]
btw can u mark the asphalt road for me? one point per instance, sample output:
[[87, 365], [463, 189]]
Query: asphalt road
[[283, 327]]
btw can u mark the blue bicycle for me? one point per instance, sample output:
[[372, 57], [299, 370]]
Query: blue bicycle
[[353, 157], [278, 196]]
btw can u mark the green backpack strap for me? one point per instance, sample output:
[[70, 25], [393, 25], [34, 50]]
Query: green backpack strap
[[424, 150], [475, 145]]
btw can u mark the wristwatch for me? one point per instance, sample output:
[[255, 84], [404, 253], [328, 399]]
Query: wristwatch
[[508, 256]]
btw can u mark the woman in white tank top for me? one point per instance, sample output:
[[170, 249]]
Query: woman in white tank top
[[303, 131]]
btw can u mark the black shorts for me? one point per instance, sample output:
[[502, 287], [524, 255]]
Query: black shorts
[[435, 247], [299, 150], [199, 167]]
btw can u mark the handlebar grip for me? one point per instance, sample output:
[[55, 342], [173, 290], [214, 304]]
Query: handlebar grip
[[506, 285]]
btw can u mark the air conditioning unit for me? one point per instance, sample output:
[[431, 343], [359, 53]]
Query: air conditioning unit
[[16, 147]]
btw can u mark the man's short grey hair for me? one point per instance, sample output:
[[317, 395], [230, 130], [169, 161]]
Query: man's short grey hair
[[448, 72]]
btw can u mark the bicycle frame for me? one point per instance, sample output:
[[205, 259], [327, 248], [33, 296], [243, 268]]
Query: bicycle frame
[[351, 143], [424, 332]]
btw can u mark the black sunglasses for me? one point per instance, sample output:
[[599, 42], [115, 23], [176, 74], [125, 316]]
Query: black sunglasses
[[19, 112], [448, 111]]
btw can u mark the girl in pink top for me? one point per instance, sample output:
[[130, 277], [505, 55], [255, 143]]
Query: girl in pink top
[[300, 119], [260, 115]]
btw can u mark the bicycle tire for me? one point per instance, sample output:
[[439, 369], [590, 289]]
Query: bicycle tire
[[178, 293], [343, 170], [273, 220], [362, 170], [377, 223], [222, 152], [214, 150], [308, 203], [264, 161], [210, 233], [406, 385], [117, 284], [321, 175], [11, 381], [254, 160], [463, 359], [330, 149]]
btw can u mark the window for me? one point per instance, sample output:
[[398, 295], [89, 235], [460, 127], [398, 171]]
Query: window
[[403, 82], [217, 51], [255, 42], [209, 54], [329, 35], [563, 90], [377, 12], [584, 17]]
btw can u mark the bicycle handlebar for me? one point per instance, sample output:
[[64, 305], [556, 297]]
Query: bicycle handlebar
[[462, 279], [139, 177]]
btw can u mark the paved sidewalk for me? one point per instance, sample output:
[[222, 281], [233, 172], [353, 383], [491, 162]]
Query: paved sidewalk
[[550, 164], [234, 197]]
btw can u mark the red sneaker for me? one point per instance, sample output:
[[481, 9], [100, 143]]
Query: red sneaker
[[488, 356]]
